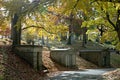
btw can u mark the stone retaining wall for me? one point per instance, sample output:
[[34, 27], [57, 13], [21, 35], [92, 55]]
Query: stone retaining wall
[[65, 57], [31, 53], [98, 57]]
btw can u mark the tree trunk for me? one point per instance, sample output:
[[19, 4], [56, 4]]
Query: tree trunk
[[118, 32], [43, 40], [70, 35], [70, 29], [84, 40], [69, 40], [84, 37], [16, 30], [118, 25]]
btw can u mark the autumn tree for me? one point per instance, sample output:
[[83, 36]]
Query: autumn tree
[[70, 13], [105, 17], [17, 11], [111, 13]]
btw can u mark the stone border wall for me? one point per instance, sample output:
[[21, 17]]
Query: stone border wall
[[64, 57], [98, 57], [31, 53]]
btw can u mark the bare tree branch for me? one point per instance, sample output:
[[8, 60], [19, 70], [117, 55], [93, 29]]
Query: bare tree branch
[[108, 18]]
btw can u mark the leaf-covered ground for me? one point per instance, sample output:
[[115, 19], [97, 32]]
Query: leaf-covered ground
[[113, 75], [15, 68]]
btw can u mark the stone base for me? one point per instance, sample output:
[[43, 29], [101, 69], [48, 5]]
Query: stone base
[[65, 57], [98, 57], [32, 54]]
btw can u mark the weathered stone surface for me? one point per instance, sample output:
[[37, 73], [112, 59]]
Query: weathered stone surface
[[32, 54], [98, 57], [66, 57]]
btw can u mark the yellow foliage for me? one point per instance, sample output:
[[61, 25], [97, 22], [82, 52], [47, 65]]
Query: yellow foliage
[[108, 36], [118, 46]]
